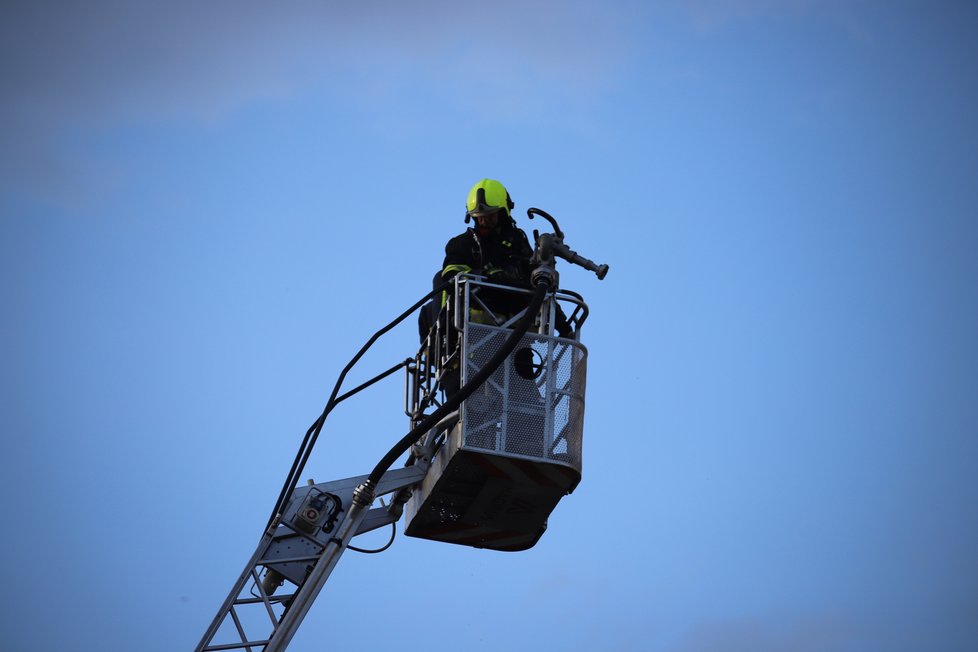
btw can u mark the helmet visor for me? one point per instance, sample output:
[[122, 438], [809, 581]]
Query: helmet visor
[[482, 210]]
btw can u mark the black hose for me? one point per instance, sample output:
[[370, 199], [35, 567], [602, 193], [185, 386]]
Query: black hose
[[379, 377], [381, 549], [465, 391], [312, 434]]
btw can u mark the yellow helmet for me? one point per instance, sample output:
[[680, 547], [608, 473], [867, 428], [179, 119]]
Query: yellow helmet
[[487, 195]]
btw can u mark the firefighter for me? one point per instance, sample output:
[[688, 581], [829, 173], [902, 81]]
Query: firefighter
[[497, 249], [494, 247], [500, 251]]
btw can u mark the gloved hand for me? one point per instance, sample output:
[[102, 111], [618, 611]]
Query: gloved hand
[[563, 326], [509, 275]]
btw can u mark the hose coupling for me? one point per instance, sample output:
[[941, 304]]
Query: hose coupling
[[363, 495], [544, 275]]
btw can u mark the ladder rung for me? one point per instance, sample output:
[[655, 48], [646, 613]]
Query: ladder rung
[[235, 646], [287, 560], [271, 598]]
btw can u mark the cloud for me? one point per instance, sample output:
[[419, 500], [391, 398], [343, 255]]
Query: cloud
[[812, 634], [82, 59], [715, 15], [90, 66]]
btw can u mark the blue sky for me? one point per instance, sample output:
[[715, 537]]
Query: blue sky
[[208, 207]]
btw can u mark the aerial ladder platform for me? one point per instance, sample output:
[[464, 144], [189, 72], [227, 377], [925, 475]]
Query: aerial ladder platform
[[496, 406]]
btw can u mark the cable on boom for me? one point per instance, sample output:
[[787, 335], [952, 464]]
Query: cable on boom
[[381, 549], [312, 434], [542, 285]]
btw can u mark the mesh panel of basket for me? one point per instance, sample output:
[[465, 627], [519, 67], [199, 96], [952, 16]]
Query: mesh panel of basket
[[533, 404]]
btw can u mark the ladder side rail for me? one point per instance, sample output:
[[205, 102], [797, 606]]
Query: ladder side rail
[[316, 580], [348, 527], [233, 596], [391, 481]]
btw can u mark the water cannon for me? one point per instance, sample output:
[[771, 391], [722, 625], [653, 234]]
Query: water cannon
[[552, 244]]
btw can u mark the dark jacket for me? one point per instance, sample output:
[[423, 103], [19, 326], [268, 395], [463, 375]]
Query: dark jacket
[[502, 256]]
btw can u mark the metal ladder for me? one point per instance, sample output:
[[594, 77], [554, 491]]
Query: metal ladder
[[300, 550]]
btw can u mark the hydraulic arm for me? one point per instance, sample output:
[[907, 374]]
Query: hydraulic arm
[[531, 429]]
